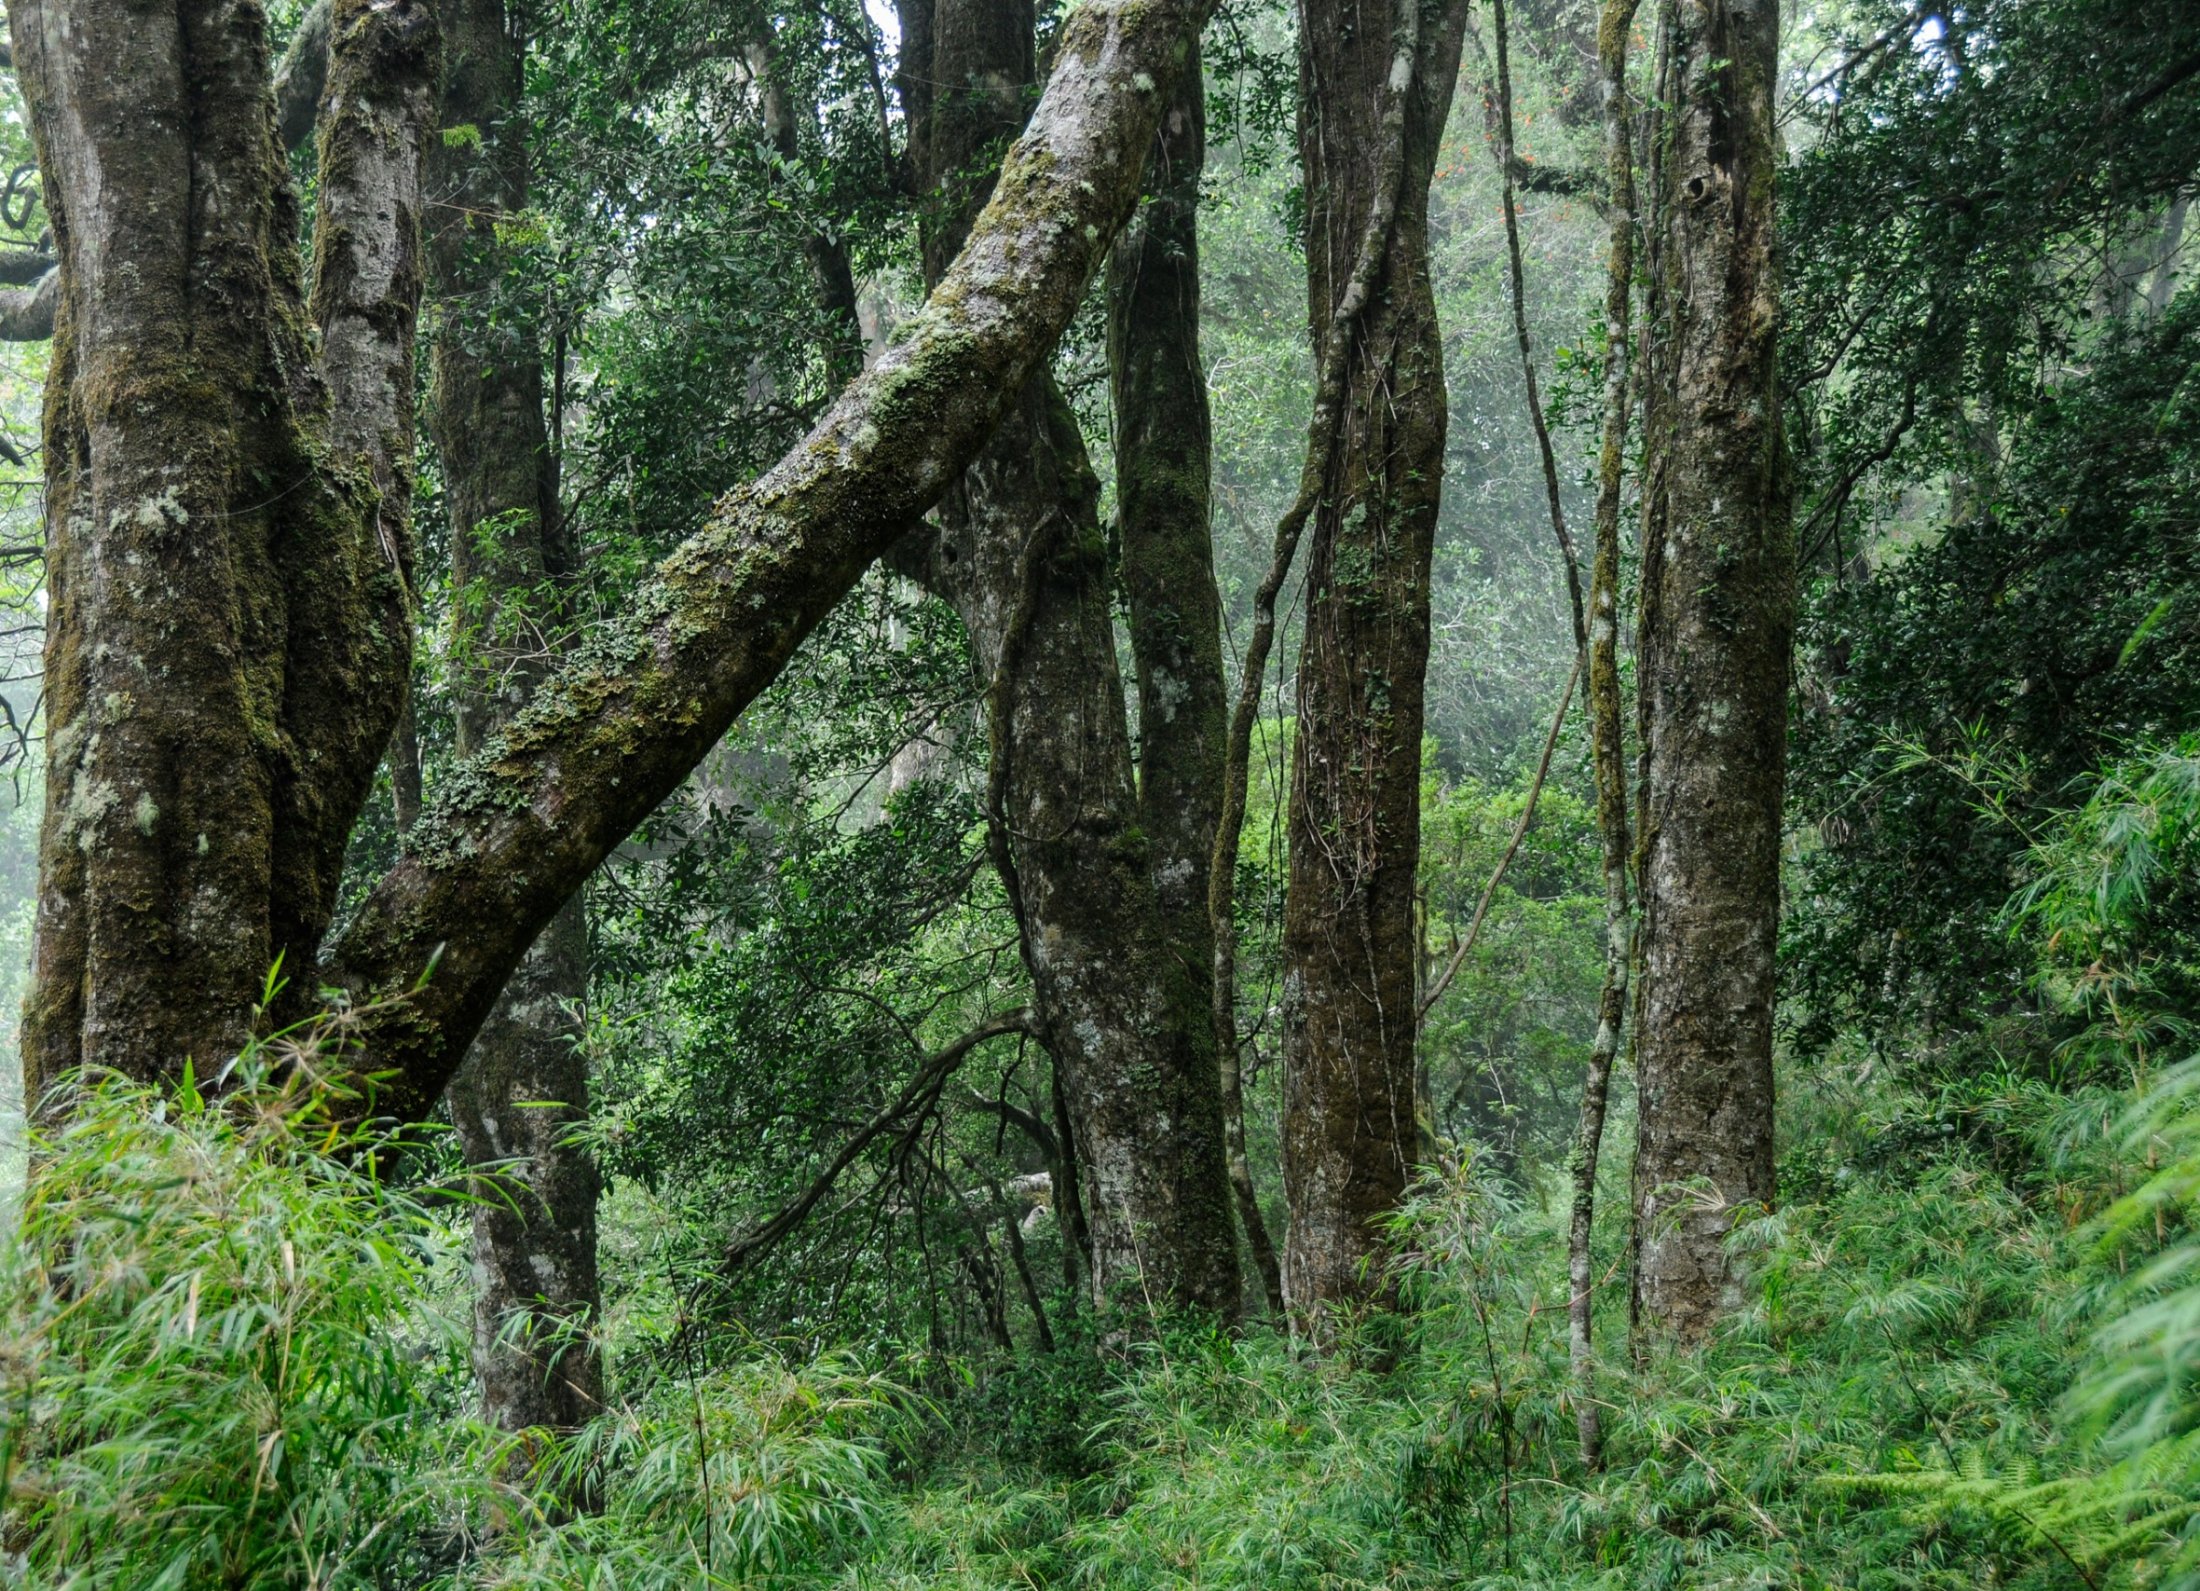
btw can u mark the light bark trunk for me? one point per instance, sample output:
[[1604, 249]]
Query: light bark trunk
[[1350, 1010], [1717, 629], [1164, 515], [1606, 736], [228, 533]]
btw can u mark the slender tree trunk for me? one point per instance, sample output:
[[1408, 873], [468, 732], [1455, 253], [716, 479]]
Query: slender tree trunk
[[833, 281], [1350, 1016], [524, 1087], [1608, 749], [1020, 554], [1717, 631], [1163, 460], [228, 533]]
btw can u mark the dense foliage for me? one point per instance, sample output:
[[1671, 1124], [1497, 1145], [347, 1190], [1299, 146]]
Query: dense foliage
[[848, 1337]]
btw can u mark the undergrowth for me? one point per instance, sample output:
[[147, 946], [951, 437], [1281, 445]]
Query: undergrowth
[[1968, 1355]]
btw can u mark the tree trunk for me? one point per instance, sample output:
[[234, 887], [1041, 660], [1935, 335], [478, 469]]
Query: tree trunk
[[832, 280], [1350, 1013], [1717, 629], [1020, 555], [1163, 464], [1607, 744], [229, 543], [524, 1087]]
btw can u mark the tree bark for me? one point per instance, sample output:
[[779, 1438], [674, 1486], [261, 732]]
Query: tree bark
[[1020, 555], [524, 1088], [229, 550], [1350, 1015], [1607, 745], [515, 831], [1717, 631], [1164, 517]]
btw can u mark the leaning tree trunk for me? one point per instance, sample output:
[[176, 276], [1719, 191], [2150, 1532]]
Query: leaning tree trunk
[[1163, 463], [524, 1087], [1350, 1016], [510, 835], [228, 500], [1717, 627], [1020, 555]]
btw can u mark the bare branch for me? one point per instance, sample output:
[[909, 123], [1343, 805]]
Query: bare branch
[[1520, 829], [935, 1071]]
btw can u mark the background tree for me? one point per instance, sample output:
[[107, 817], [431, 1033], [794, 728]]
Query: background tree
[[524, 1087], [1020, 555]]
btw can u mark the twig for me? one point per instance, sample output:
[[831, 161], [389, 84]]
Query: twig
[[935, 1071]]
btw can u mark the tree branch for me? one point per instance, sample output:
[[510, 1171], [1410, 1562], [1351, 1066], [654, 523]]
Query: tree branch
[[26, 313], [1024, 1121], [23, 267], [935, 1071], [1520, 829]]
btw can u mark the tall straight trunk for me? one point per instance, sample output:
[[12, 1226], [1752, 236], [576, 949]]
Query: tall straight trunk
[[1717, 630], [1350, 1014], [1164, 516], [227, 505], [1606, 739], [524, 1086], [1020, 554]]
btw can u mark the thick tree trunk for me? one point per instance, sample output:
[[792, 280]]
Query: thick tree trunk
[[524, 1087], [1717, 627], [227, 511], [1020, 554], [1350, 1014]]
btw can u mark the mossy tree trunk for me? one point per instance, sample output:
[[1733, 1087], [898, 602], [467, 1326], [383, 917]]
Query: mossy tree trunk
[[524, 1087], [1608, 752], [1019, 553], [1350, 1016], [229, 488], [1717, 630]]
